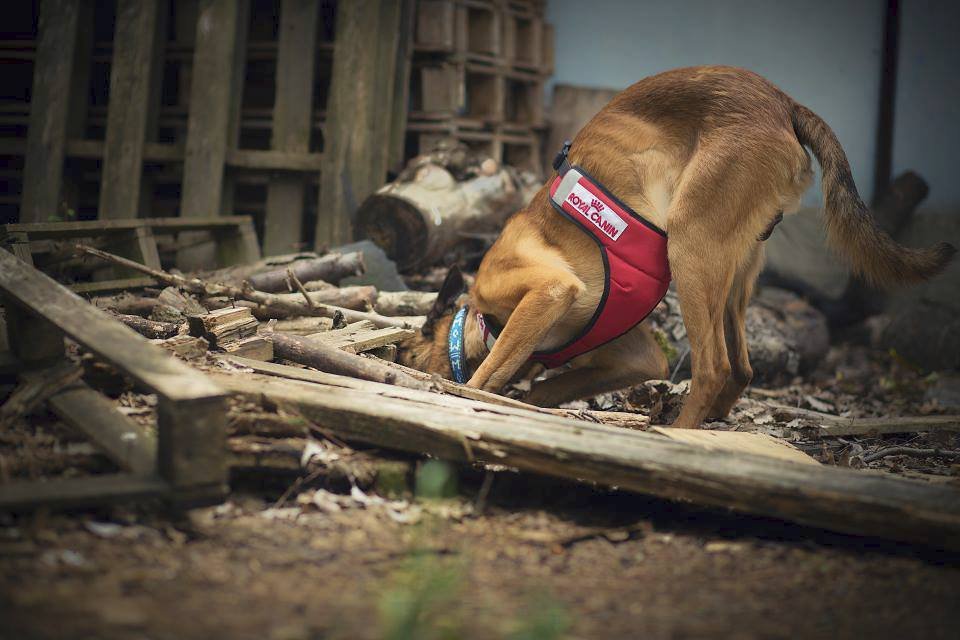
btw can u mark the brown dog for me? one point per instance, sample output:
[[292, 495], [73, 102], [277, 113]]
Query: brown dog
[[712, 155]]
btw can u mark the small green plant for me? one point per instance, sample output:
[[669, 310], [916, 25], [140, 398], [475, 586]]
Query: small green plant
[[421, 603]]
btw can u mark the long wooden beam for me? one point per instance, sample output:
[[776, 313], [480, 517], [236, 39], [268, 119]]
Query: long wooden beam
[[844, 500], [292, 114], [49, 109], [136, 42]]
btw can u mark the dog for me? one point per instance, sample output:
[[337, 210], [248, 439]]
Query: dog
[[711, 157]]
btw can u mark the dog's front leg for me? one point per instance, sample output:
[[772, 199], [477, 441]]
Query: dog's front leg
[[536, 313]]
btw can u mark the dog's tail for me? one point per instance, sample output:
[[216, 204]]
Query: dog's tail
[[851, 229]]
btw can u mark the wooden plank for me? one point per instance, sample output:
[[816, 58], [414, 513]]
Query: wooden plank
[[211, 91], [361, 92], [292, 114], [60, 230], [131, 86], [131, 446], [127, 350], [833, 498], [49, 109], [35, 342], [361, 336], [79, 492], [274, 160], [743, 441], [105, 286], [190, 442], [401, 87], [152, 151]]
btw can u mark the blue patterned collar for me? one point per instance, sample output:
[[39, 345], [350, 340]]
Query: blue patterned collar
[[458, 360]]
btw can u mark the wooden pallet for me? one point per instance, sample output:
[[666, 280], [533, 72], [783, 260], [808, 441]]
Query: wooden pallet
[[184, 462], [234, 238]]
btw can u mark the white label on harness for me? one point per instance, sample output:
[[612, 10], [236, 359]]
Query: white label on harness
[[593, 209]]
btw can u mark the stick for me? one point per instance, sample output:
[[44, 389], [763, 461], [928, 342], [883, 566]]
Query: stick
[[910, 451], [246, 292], [315, 354], [148, 328], [299, 286]]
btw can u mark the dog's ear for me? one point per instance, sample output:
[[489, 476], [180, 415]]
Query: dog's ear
[[450, 290]]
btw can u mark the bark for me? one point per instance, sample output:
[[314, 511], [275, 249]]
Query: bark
[[330, 268], [404, 303], [418, 220], [315, 354], [149, 328]]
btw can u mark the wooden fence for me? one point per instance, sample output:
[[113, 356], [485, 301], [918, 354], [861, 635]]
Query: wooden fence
[[276, 109]]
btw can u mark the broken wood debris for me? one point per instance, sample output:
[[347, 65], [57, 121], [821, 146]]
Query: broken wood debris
[[290, 303]]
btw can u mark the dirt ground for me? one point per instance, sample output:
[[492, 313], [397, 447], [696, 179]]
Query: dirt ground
[[504, 555]]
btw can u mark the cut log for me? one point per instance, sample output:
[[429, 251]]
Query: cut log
[[330, 268], [456, 429], [149, 328], [404, 303], [785, 335], [330, 359], [419, 221], [126, 303]]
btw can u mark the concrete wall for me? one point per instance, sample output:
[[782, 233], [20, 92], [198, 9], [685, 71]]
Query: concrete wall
[[826, 54], [927, 125]]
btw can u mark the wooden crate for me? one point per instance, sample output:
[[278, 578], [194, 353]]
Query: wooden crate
[[185, 461]]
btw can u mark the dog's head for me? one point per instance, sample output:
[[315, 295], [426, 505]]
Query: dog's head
[[427, 350]]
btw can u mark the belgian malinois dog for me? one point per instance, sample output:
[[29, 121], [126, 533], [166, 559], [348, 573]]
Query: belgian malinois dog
[[710, 156]]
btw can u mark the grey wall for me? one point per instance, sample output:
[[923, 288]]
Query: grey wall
[[826, 54], [927, 110]]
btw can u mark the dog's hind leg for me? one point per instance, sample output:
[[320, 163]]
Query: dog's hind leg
[[735, 334]]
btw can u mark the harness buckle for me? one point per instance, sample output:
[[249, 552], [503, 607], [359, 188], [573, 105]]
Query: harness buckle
[[560, 160]]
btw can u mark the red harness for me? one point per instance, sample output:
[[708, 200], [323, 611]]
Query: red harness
[[634, 253]]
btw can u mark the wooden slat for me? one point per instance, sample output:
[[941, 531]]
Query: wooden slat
[[131, 87], [152, 151], [104, 286], [55, 230], [361, 93], [49, 109], [131, 446], [211, 91], [741, 441], [401, 86], [79, 492], [292, 111], [274, 160], [361, 336], [130, 352], [843, 500]]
